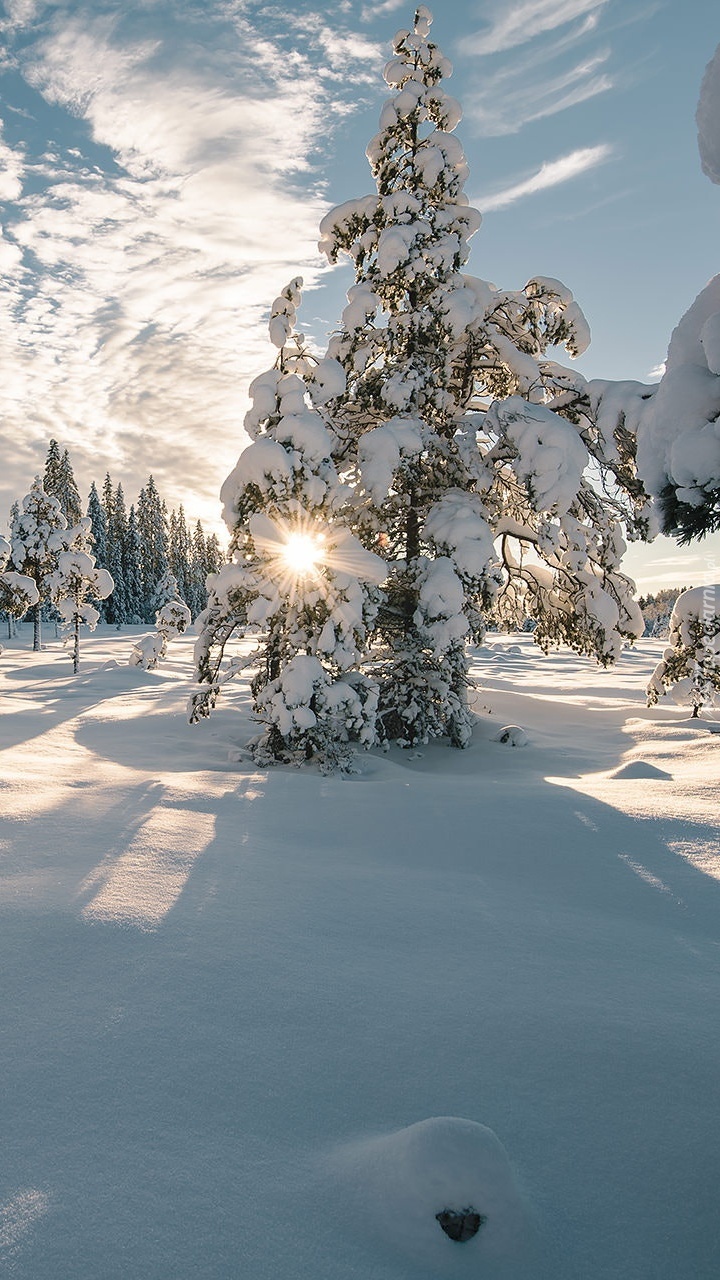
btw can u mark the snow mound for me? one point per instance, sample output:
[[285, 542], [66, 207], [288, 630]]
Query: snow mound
[[512, 736], [395, 1185], [640, 769]]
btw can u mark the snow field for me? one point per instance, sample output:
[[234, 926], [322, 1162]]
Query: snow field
[[255, 1023]]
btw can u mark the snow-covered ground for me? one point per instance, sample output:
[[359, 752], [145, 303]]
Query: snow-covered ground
[[265, 1024]]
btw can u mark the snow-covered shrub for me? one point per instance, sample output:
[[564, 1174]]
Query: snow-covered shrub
[[512, 735], [690, 666], [147, 651], [173, 619], [166, 590], [170, 621]]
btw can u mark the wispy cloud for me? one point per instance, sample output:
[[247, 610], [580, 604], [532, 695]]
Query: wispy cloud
[[551, 174], [538, 82], [369, 12], [138, 262], [510, 24]]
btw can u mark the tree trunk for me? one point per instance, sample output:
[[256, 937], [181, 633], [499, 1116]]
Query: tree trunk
[[412, 533], [37, 627], [76, 645]]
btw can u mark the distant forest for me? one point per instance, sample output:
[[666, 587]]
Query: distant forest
[[151, 553]]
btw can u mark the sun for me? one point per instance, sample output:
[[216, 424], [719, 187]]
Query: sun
[[302, 553]]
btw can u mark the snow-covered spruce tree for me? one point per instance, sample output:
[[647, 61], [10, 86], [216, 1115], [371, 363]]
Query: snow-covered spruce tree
[[296, 572], [37, 536], [59, 480], [98, 520], [152, 525], [133, 570], [470, 452], [18, 592], [198, 571], [117, 610], [76, 583], [690, 666], [179, 551]]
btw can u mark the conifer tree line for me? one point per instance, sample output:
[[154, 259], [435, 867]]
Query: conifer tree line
[[152, 556]]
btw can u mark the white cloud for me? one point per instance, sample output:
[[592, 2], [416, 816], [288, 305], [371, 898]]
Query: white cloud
[[551, 174], [512, 24], [370, 12], [138, 264], [12, 168], [538, 82]]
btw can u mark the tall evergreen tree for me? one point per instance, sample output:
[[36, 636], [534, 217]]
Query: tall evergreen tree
[[215, 557], [492, 481], [197, 593], [132, 567], [69, 494], [59, 480], [51, 474], [99, 531], [98, 525], [152, 525], [179, 552], [476, 509], [108, 498], [117, 606]]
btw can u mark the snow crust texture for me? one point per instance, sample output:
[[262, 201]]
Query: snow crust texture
[[258, 1022]]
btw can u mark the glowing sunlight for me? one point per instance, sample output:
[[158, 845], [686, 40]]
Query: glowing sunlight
[[302, 552]]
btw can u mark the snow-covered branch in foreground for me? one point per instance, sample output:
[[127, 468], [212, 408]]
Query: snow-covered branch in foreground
[[679, 439]]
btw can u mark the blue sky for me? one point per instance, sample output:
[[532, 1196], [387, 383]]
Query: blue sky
[[164, 166]]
